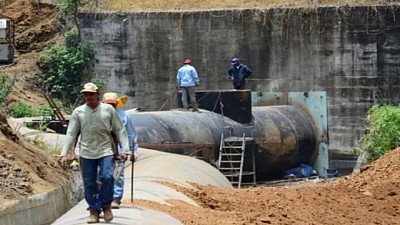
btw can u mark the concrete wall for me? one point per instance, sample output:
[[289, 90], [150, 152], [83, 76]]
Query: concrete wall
[[40, 209], [352, 53]]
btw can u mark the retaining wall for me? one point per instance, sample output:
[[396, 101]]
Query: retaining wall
[[352, 53]]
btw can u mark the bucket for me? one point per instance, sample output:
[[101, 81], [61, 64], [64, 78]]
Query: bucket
[[331, 172]]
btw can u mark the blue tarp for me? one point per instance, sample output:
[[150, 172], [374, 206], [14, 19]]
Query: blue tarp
[[300, 172]]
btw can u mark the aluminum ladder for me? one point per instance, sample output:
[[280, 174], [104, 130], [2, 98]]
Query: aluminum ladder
[[232, 155]]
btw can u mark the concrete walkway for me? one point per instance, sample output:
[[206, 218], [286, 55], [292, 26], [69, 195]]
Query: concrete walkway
[[123, 216]]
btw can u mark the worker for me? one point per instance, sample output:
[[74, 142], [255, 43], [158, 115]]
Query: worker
[[187, 80], [238, 73], [113, 99], [96, 123]]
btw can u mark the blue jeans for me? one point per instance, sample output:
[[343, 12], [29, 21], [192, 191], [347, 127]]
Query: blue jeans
[[119, 187], [98, 195]]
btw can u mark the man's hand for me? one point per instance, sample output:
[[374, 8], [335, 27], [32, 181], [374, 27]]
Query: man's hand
[[178, 88], [63, 161], [230, 77], [72, 155], [123, 157]]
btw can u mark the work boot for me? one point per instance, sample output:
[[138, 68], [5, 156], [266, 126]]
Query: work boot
[[108, 216], [94, 216]]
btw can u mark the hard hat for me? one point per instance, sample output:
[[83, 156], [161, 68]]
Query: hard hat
[[89, 87], [112, 98], [235, 60], [187, 61]]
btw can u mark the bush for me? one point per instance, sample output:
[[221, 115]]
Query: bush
[[63, 69], [19, 110], [44, 110], [6, 85], [383, 131]]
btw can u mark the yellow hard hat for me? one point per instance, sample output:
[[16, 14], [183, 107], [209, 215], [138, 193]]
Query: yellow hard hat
[[112, 98]]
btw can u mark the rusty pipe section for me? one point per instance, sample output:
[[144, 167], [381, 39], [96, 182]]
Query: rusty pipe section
[[284, 135]]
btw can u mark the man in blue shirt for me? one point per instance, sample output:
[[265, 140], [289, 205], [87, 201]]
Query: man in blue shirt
[[238, 73], [112, 99], [187, 80]]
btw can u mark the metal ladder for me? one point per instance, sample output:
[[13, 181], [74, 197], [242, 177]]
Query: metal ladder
[[56, 111], [231, 158]]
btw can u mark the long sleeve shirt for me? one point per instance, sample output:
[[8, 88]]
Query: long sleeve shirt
[[187, 76], [130, 129], [95, 127], [239, 74]]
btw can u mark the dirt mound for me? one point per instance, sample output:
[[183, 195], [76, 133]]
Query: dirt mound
[[370, 197], [380, 179], [36, 25], [24, 168]]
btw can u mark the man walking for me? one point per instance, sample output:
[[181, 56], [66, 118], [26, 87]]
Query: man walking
[[187, 80], [113, 99], [96, 123], [238, 73]]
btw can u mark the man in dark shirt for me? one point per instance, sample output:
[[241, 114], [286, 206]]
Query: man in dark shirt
[[238, 73]]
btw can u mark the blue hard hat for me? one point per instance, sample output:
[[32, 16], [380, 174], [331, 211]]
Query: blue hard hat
[[234, 60]]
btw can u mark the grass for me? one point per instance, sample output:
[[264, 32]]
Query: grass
[[172, 5]]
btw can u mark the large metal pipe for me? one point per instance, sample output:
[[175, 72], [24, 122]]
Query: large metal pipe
[[284, 135]]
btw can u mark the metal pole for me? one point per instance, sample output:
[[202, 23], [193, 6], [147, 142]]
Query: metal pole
[[132, 170]]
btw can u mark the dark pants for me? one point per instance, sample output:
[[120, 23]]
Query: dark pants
[[239, 86]]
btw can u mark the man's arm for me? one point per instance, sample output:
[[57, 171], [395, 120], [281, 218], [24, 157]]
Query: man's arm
[[230, 73], [72, 133], [195, 77], [71, 137], [248, 72], [132, 136], [119, 130], [130, 129], [178, 80]]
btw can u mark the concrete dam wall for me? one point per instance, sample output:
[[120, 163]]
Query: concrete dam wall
[[351, 53]]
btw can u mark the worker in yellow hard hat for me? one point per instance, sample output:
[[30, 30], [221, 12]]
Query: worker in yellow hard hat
[[117, 102]]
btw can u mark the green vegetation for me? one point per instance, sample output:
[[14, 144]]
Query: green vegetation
[[20, 109], [6, 85], [383, 131], [45, 110], [71, 7], [63, 69]]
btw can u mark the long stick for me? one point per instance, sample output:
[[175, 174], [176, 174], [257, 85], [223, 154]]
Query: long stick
[[132, 170]]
